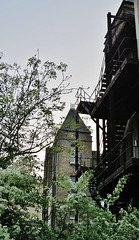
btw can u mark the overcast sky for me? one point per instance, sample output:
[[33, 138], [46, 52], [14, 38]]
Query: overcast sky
[[71, 31]]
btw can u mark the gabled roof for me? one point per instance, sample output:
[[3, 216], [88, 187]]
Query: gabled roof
[[70, 122]]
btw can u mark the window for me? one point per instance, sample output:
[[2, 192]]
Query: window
[[73, 155]]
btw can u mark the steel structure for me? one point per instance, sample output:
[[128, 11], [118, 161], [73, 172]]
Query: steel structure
[[113, 104]]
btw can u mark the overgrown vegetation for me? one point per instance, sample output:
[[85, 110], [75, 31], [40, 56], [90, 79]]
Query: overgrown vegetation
[[27, 105], [19, 194]]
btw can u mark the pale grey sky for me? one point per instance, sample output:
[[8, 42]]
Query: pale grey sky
[[71, 31]]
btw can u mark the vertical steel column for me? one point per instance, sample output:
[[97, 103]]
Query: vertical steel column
[[108, 52], [97, 140], [112, 124], [111, 120], [109, 35], [104, 137]]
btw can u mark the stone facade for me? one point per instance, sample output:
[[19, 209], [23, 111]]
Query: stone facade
[[63, 160]]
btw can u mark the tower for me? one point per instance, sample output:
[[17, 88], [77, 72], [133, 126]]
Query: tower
[[72, 150]]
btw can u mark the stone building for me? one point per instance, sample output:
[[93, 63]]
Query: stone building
[[66, 158]]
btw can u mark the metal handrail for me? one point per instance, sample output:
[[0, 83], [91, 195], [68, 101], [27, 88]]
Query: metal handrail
[[104, 171], [82, 95], [96, 91]]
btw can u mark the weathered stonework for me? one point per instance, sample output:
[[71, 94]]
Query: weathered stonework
[[59, 161]]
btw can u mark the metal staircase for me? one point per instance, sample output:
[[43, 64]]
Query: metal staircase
[[119, 131], [112, 103]]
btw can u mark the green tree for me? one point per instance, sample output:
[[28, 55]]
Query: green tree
[[27, 105], [19, 195], [28, 100], [94, 222]]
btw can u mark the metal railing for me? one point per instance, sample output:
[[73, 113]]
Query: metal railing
[[82, 95], [108, 166], [115, 65]]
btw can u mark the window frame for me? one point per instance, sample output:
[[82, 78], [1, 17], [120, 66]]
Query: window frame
[[73, 155]]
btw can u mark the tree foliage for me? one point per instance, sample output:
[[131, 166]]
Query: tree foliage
[[20, 202], [19, 193], [28, 100], [27, 104], [94, 222]]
